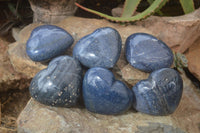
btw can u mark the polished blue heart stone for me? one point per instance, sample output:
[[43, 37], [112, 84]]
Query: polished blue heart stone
[[47, 42], [59, 84], [160, 94], [103, 94], [99, 49], [147, 53]]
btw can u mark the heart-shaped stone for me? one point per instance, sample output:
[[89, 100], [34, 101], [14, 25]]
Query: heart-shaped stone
[[99, 49], [160, 94], [103, 94], [59, 84], [147, 53], [47, 42]]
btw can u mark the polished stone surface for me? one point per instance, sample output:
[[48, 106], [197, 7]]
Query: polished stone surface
[[147, 53], [37, 117], [99, 49], [58, 85], [160, 94], [47, 42], [103, 94]]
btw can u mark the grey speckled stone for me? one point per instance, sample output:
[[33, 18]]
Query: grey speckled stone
[[39, 118], [158, 128], [101, 48], [47, 42], [160, 94], [59, 84], [104, 94], [146, 53]]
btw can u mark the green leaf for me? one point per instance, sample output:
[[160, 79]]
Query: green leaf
[[130, 7], [187, 5], [150, 10], [158, 10], [162, 4], [14, 11]]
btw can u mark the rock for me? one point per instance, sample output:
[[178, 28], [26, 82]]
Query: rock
[[79, 27], [47, 42], [194, 60], [37, 117], [132, 75], [103, 94], [40, 118], [158, 128], [25, 33], [23, 64], [15, 33], [179, 33], [101, 48], [187, 115], [58, 85], [160, 94], [117, 12], [9, 78], [51, 12], [146, 53]]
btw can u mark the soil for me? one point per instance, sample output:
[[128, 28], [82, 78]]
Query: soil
[[13, 101]]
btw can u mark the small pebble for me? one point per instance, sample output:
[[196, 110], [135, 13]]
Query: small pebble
[[160, 94], [103, 94], [47, 42], [56, 91], [146, 53], [99, 49]]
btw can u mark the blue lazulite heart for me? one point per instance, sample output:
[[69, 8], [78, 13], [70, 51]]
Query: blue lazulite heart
[[147, 53], [160, 94], [47, 42], [103, 94], [99, 49], [59, 84]]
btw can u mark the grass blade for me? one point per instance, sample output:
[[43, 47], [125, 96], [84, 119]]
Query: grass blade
[[187, 5], [130, 7]]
